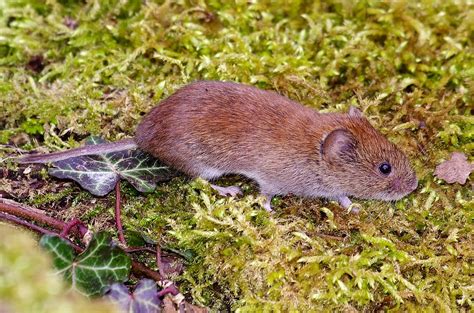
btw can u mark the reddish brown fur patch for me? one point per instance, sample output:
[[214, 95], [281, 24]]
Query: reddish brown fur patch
[[210, 128]]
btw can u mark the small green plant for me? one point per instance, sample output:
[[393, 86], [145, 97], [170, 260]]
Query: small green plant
[[95, 269]]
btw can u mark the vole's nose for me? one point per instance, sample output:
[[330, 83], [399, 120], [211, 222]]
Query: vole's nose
[[396, 185]]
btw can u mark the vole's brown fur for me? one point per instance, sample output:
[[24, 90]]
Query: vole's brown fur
[[211, 128]]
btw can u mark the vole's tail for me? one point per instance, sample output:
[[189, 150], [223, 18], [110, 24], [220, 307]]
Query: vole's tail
[[124, 144]]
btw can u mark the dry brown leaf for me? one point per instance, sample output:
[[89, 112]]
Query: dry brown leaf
[[168, 305], [455, 170], [194, 309]]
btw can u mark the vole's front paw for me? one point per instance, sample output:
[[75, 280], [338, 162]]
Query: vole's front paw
[[346, 203], [227, 191]]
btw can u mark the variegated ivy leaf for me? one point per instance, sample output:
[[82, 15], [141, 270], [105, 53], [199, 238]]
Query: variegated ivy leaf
[[143, 300], [100, 265], [99, 174]]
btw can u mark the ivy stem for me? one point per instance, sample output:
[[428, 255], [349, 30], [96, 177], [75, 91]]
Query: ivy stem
[[168, 290], [20, 210], [141, 270], [173, 290], [81, 228], [139, 249], [159, 264], [33, 227], [19, 221], [118, 218]]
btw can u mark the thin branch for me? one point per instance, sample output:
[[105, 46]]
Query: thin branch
[[75, 222], [18, 221], [118, 218], [20, 210], [159, 264], [139, 249], [36, 228], [141, 270]]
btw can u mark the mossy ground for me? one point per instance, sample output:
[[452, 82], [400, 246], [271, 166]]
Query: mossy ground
[[73, 68]]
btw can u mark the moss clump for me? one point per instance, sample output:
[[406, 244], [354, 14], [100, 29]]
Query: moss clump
[[50, 197], [69, 68], [28, 282], [254, 261]]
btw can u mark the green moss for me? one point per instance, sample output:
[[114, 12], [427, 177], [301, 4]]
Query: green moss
[[407, 64], [50, 197], [263, 261]]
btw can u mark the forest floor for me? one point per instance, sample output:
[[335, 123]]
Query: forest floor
[[70, 69]]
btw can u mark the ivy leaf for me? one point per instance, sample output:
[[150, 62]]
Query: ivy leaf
[[99, 174], [455, 170], [143, 300], [100, 265]]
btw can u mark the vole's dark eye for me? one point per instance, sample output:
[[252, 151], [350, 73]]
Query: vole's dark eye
[[385, 168]]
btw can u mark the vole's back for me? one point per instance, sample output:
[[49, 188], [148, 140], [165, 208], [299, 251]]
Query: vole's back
[[209, 128]]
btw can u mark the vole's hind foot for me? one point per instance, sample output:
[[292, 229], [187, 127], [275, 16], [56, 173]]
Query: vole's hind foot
[[227, 191], [267, 205]]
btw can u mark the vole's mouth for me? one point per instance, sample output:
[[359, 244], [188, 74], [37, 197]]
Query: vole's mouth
[[394, 194], [396, 190]]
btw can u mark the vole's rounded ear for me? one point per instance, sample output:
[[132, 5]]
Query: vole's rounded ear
[[355, 112], [339, 143]]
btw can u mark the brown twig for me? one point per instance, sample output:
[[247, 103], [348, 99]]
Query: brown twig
[[20, 210], [118, 218], [18, 221], [81, 228], [140, 270], [139, 249], [159, 264], [36, 228]]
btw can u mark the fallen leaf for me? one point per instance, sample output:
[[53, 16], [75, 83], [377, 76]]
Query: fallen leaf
[[172, 265], [194, 309], [168, 305], [454, 170]]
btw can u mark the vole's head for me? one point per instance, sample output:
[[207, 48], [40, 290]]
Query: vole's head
[[362, 163]]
